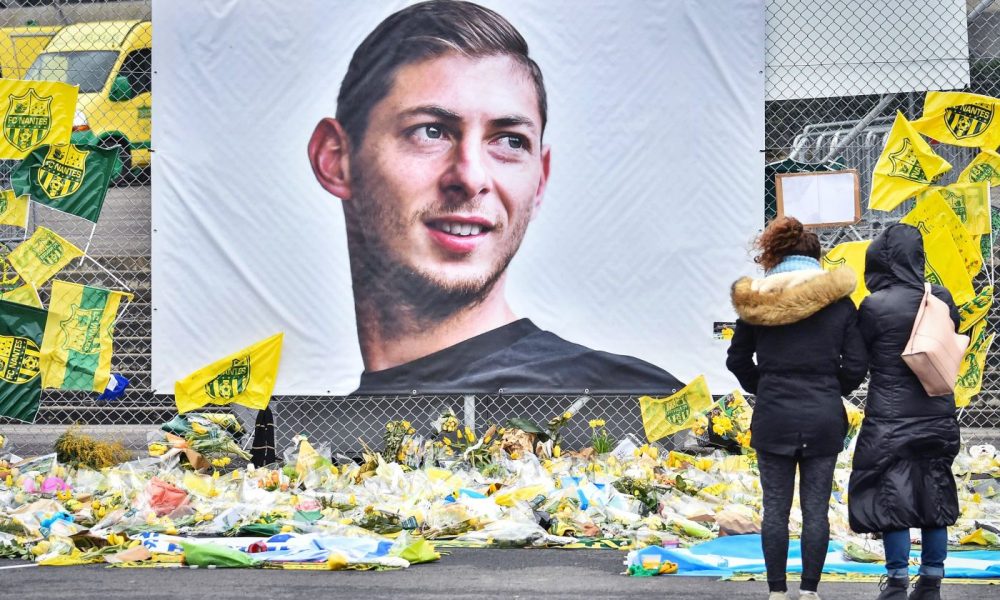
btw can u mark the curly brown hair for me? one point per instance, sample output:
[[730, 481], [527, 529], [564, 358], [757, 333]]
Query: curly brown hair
[[783, 237]]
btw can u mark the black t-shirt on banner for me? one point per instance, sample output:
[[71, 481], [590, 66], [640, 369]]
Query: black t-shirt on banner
[[519, 358]]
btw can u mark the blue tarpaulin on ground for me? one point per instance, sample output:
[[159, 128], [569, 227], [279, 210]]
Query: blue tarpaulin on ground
[[726, 556]]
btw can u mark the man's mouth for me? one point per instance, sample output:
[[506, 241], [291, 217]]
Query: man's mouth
[[459, 235], [462, 227]]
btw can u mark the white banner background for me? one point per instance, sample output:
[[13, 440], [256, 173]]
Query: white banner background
[[656, 126]]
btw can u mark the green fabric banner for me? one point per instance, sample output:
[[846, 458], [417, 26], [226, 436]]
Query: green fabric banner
[[21, 329], [214, 555], [69, 178]]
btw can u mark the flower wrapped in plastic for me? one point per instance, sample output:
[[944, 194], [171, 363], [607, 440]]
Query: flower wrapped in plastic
[[203, 438], [727, 425]]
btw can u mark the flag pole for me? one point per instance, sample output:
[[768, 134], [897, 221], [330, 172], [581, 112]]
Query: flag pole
[[90, 239], [108, 272]]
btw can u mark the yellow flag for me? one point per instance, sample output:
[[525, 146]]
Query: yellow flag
[[246, 377], [13, 209], [906, 167], [664, 416], [35, 113], [932, 213], [850, 254], [969, 201], [13, 288], [24, 294], [985, 167], [974, 310], [970, 377], [945, 266], [960, 119], [42, 255], [78, 340]]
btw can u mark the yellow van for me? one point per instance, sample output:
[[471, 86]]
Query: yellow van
[[111, 61], [20, 45]]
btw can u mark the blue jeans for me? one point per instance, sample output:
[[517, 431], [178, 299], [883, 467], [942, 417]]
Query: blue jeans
[[934, 549]]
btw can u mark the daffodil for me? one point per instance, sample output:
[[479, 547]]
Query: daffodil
[[722, 425]]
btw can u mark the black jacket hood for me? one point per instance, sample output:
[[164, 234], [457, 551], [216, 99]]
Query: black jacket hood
[[896, 257]]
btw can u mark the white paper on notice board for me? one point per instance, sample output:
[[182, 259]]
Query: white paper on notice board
[[820, 198]]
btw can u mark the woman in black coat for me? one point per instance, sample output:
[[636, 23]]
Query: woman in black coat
[[902, 463], [801, 324]]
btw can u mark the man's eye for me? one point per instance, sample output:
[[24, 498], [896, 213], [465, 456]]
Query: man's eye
[[514, 142], [429, 132]]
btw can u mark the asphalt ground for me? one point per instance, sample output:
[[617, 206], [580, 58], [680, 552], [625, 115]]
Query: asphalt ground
[[464, 573]]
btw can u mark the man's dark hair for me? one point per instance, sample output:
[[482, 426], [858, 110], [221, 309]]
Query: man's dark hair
[[418, 32]]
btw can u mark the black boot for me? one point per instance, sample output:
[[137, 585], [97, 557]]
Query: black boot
[[927, 588], [893, 588]]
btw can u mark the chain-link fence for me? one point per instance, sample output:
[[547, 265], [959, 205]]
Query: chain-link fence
[[847, 54]]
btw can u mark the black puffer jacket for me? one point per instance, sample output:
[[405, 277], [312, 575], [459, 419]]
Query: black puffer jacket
[[902, 463], [802, 326]]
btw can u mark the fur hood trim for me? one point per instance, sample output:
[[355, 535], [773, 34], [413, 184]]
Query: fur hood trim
[[790, 297]]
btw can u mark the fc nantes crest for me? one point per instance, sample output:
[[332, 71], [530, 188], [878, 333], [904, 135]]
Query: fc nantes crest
[[905, 163], [19, 359], [47, 249], [62, 171], [968, 120], [9, 278], [28, 120], [231, 382], [983, 172], [677, 411], [81, 331]]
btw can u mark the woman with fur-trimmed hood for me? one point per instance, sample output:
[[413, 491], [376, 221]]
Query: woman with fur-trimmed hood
[[801, 325]]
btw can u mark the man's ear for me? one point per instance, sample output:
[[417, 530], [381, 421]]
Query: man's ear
[[542, 181], [329, 154]]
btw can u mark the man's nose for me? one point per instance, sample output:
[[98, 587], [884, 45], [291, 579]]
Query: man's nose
[[468, 175]]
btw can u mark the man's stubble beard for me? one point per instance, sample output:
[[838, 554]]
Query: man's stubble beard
[[401, 298]]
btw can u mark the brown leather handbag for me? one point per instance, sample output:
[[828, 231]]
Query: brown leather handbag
[[934, 352]]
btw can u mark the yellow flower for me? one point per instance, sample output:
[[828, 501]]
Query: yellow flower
[[470, 435], [595, 423], [743, 439], [556, 451], [722, 425], [567, 415], [458, 433]]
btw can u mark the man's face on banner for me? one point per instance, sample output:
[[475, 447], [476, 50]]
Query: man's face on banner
[[451, 171]]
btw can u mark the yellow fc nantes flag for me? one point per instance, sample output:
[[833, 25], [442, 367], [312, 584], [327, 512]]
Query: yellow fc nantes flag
[[13, 209], [76, 349], [906, 166], [970, 376], [932, 213], [42, 255], [969, 201], [664, 416], [960, 119], [246, 377], [985, 167], [35, 113], [945, 266], [974, 310], [850, 254], [13, 288]]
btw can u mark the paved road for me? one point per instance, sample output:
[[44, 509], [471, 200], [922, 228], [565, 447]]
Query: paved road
[[464, 574]]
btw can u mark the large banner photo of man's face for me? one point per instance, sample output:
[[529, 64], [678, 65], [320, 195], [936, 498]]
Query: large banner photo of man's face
[[450, 197]]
